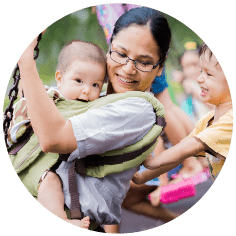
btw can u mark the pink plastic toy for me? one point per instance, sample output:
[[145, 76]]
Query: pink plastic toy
[[174, 192]]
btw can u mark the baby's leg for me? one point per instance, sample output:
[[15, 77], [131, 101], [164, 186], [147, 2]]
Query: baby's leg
[[50, 195]]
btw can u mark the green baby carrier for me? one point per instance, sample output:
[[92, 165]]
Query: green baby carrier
[[27, 156]]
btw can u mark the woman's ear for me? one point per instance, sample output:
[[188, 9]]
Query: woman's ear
[[159, 72], [58, 77]]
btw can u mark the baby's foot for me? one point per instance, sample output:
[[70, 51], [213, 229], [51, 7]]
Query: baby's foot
[[84, 223], [154, 197]]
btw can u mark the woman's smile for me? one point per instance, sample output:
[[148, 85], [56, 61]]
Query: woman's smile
[[125, 80]]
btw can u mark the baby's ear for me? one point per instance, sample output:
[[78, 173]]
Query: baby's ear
[[58, 77]]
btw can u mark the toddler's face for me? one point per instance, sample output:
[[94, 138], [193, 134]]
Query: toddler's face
[[81, 81], [212, 81]]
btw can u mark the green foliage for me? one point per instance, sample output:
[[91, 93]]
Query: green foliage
[[84, 25], [79, 25]]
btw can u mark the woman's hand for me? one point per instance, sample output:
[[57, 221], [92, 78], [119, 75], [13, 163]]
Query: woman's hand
[[147, 162], [54, 132], [28, 55], [141, 178], [137, 178]]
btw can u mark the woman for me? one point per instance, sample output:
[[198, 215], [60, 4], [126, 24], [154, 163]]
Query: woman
[[138, 49], [179, 125]]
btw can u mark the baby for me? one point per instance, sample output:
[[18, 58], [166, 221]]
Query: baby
[[80, 75]]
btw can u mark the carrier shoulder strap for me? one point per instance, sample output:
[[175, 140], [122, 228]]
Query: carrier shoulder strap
[[116, 161]]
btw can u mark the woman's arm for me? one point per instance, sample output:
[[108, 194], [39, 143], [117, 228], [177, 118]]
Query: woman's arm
[[168, 159], [179, 124], [111, 127], [54, 132], [174, 156]]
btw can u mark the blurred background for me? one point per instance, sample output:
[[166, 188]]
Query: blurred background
[[84, 25]]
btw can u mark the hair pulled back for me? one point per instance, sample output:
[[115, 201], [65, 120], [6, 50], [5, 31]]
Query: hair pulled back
[[155, 20]]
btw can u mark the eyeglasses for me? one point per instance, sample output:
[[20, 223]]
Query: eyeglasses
[[120, 58]]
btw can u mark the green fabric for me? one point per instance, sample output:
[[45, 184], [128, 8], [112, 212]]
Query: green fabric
[[30, 162]]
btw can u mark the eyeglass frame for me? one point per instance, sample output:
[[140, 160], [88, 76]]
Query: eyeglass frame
[[135, 61]]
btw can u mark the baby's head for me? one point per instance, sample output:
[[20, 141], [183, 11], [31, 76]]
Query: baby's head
[[81, 71], [212, 81]]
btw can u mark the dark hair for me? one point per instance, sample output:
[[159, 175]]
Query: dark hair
[[157, 22], [203, 48], [80, 50]]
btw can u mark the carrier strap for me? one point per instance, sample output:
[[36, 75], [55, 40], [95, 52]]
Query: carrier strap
[[21, 142], [79, 166], [97, 160], [161, 121], [75, 208]]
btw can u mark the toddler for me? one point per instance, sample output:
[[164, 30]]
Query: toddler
[[212, 136]]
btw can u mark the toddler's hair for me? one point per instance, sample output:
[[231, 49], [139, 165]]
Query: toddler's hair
[[203, 48], [82, 51]]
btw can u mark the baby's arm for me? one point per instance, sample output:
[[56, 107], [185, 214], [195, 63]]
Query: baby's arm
[[174, 156]]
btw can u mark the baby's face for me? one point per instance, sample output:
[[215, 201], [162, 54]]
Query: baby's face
[[212, 81], [81, 81]]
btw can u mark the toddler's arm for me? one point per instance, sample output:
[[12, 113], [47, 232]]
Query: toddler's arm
[[174, 156]]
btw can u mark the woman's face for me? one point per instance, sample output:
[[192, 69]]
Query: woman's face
[[137, 43]]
